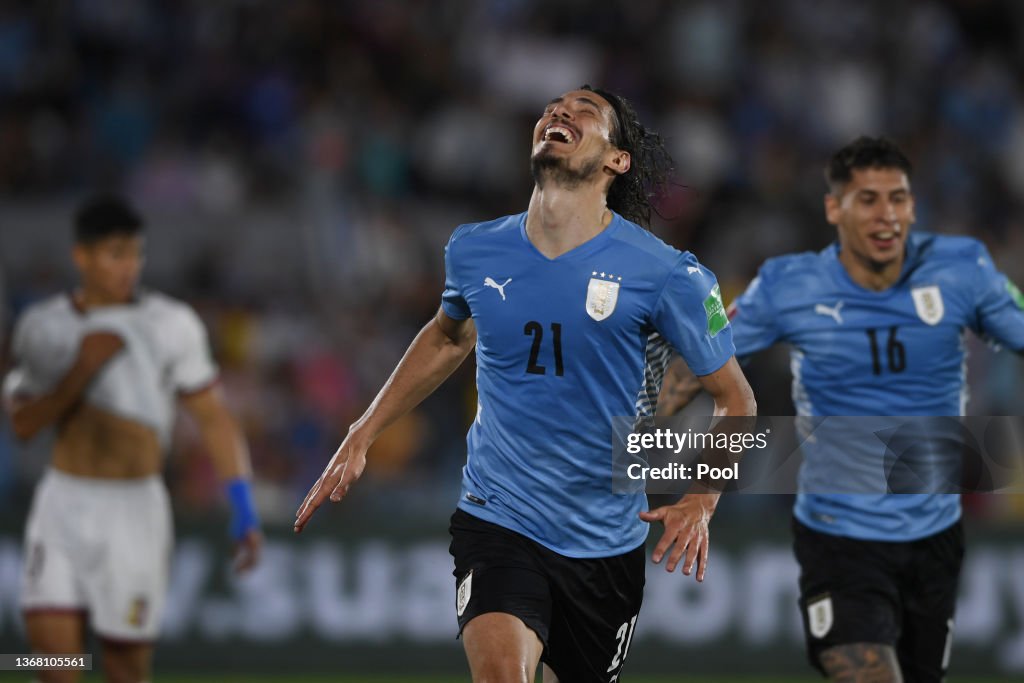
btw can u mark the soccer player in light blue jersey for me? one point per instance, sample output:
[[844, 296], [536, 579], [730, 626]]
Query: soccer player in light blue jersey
[[573, 309], [876, 324]]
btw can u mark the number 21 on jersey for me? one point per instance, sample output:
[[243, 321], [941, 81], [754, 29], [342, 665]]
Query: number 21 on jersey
[[536, 330]]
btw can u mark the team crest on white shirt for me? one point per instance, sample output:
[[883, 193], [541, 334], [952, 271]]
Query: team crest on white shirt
[[602, 294], [928, 303]]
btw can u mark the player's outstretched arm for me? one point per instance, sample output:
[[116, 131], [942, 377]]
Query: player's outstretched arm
[[226, 445], [433, 356], [686, 522], [30, 415]]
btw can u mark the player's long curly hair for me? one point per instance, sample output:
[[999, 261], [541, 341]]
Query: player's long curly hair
[[631, 194]]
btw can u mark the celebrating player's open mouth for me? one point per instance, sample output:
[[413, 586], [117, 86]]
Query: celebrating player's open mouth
[[560, 134], [887, 240]]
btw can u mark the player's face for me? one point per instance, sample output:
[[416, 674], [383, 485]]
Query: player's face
[[873, 214], [572, 140], [111, 267]]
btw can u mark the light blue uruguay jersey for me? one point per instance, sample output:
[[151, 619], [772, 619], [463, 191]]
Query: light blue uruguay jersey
[[564, 345], [896, 352]]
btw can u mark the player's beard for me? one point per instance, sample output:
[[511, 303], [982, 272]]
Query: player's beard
[[547, 167]]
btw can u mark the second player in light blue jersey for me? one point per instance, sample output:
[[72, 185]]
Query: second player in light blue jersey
[[573, 309], [876, 326]]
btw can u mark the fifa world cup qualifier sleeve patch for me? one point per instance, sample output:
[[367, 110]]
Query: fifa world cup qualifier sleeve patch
[[1016, 294], [715, 311]]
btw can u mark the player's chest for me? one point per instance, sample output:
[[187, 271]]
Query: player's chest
[[916, 328], [594, 297]]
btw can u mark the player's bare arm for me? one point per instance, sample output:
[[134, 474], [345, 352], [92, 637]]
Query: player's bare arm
[[30, 415], [686, 522], [433, 356], [226, 445], [679, 389]]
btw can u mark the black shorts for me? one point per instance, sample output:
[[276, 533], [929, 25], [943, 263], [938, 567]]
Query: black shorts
[[583, 610], [898, 594]]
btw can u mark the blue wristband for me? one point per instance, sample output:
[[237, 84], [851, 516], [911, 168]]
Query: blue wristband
[[243, 512]]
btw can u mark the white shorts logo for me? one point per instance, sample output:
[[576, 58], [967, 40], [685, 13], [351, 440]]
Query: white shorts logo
[[602, 295], [465, 590], [928, 303], [819, 616]]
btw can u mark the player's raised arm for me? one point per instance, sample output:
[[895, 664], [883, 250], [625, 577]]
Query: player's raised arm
[[433, 356]]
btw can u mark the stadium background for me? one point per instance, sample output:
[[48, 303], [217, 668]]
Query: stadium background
[[302, 164]]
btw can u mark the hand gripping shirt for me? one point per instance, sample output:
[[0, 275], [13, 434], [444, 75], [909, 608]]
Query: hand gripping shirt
[[166, 353]]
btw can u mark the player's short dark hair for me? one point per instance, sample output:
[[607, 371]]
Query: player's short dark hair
[[630, 194], [864, 152], [104, 216]]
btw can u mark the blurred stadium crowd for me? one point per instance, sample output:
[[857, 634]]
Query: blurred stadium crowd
[[303, 163]]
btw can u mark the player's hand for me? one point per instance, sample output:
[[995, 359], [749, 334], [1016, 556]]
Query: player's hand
[[686, 528], [341, 472], [247, 551], [97, 348]]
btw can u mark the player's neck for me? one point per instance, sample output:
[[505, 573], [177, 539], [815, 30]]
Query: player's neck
[[559, 220], [868, 275], [86, 298]]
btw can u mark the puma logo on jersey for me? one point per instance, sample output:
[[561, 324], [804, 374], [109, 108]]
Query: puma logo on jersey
[[833, 311], [690, 270], [489, 282]]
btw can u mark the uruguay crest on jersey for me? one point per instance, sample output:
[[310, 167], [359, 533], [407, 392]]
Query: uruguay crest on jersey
[[602, 295], [928, 303], [820, 616]]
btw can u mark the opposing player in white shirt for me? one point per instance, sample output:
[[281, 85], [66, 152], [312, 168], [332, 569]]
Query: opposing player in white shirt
[[104, 367]]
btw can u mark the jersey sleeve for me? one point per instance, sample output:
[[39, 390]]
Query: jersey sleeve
[[452, 300], [999, 305], [192, 367], [27, 343], [753, 316], [690, 315]]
